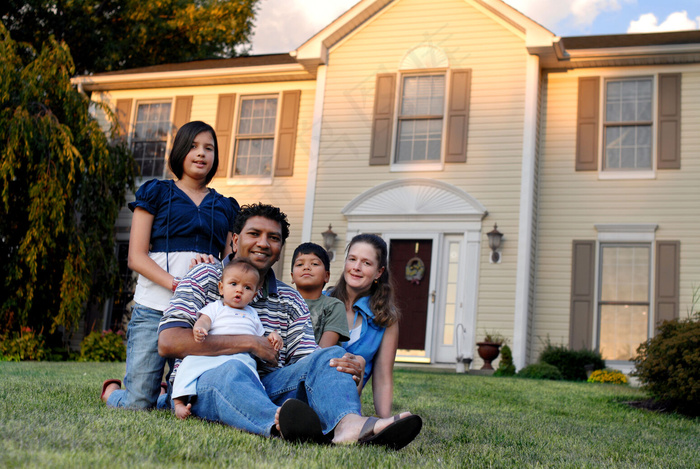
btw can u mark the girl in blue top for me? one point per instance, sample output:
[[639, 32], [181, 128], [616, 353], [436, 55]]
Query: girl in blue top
[[373, 318], [174, 222]]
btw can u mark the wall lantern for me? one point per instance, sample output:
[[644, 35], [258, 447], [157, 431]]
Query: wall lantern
[[329, 238], [495, 238]]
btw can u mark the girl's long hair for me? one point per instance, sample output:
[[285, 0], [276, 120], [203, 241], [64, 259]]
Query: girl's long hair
[[381, 293]]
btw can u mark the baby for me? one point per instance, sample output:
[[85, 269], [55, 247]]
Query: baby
[[229, 316]]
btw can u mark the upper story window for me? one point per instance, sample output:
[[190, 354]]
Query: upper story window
[[149, 140], [255, 137], [420, 117], [420, 120], [629, 127], [628, 124]]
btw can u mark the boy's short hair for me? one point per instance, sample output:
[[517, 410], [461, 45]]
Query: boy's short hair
[[316, 250], [245, 264]]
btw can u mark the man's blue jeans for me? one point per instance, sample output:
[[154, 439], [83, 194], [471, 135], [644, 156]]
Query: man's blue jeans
[[231, 394], [144, 367]]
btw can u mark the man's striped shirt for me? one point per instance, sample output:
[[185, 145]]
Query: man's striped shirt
[[279, 306]]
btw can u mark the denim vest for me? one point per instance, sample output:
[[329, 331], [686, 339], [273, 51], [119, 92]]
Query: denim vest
[[370, 336]]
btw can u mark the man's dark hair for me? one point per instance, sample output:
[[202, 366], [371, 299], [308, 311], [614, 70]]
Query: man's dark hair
[[183, 143], [316, 250], [261, 210]]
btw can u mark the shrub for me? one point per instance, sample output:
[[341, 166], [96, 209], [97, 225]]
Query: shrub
[[105, 346], [668, 365], [540, 371], [505, 366], [571, 363], [607, 376], [23, 345]]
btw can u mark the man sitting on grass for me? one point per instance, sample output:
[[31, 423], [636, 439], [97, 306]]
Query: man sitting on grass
[[301, 400]]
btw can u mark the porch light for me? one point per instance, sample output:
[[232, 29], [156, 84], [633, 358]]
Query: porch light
[[495, 238], [329, 238]]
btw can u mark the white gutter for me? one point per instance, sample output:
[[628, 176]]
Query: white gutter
[[525, 223], [314, 155], [187, 74]]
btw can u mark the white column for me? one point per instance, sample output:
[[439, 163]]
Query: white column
[[525, 224], [314, 155]]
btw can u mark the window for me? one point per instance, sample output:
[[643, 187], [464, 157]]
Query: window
[[628, 124], [255, 137], [420, 119], [150, 138], [624, 299]]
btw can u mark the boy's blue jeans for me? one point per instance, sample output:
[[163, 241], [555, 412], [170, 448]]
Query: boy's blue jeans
[[232, 394], [144, 367]]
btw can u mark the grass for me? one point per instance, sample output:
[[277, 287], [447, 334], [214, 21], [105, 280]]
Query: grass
[[50, 416]]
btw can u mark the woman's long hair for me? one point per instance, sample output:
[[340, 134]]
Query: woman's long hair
[[381, 292]]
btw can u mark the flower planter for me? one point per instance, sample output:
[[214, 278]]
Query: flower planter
[[488, 351]]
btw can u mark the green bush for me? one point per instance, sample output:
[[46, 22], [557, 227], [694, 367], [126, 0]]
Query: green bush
[[105, 346], [540, 371], [23, 345], [505, 366], [571, 363], [668, 365]]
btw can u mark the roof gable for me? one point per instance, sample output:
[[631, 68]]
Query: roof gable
[[315, 50]]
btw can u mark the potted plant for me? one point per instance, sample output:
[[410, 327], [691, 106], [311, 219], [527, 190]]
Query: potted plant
[[489, 348]]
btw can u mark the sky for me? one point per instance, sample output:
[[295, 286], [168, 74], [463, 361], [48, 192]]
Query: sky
[[284, 25]]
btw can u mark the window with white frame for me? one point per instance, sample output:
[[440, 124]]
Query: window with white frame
[[623, 299], [255, 136], [628, 124], [149, 140], [420, 119]]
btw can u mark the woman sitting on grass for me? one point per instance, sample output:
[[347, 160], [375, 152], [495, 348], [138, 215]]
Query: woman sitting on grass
[[366, 290]]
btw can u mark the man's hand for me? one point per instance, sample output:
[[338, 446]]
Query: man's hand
[[264, 350], [353, 364]]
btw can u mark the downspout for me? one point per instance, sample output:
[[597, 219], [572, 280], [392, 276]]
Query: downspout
[[314, 154], [527, 194]]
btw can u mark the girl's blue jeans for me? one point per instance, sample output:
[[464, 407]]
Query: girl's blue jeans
[[144, 367]]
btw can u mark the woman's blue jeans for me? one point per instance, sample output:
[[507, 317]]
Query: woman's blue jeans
[[231, 394], [144, 367]]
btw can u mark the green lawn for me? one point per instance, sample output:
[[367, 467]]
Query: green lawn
[[51, 416]]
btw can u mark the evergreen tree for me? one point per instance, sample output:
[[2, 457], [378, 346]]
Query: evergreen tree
[[108, 35], [62, 183]]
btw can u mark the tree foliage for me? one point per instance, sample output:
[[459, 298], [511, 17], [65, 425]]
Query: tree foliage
[[62, 183], [107, 35]]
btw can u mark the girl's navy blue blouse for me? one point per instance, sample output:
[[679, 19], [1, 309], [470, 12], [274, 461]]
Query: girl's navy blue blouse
[[179, 225]]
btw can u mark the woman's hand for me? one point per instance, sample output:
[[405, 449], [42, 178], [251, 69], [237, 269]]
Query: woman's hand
[[353, 364]]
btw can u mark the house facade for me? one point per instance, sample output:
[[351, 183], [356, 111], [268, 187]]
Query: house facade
[[430, 122]]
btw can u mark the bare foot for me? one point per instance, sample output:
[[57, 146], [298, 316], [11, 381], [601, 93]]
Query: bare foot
[[349, 428], [111, 387], [183, 411], [277, 420]]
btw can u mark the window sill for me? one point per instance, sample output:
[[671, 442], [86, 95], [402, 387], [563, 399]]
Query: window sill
[[249, 181], [416, 167], [646, 174]]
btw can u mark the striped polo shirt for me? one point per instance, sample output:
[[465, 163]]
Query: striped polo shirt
[[279, 306]]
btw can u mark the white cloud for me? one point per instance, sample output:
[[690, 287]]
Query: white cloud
[[677, 21], [284, 25], [586, 11], [580, 14], [546, 12]]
